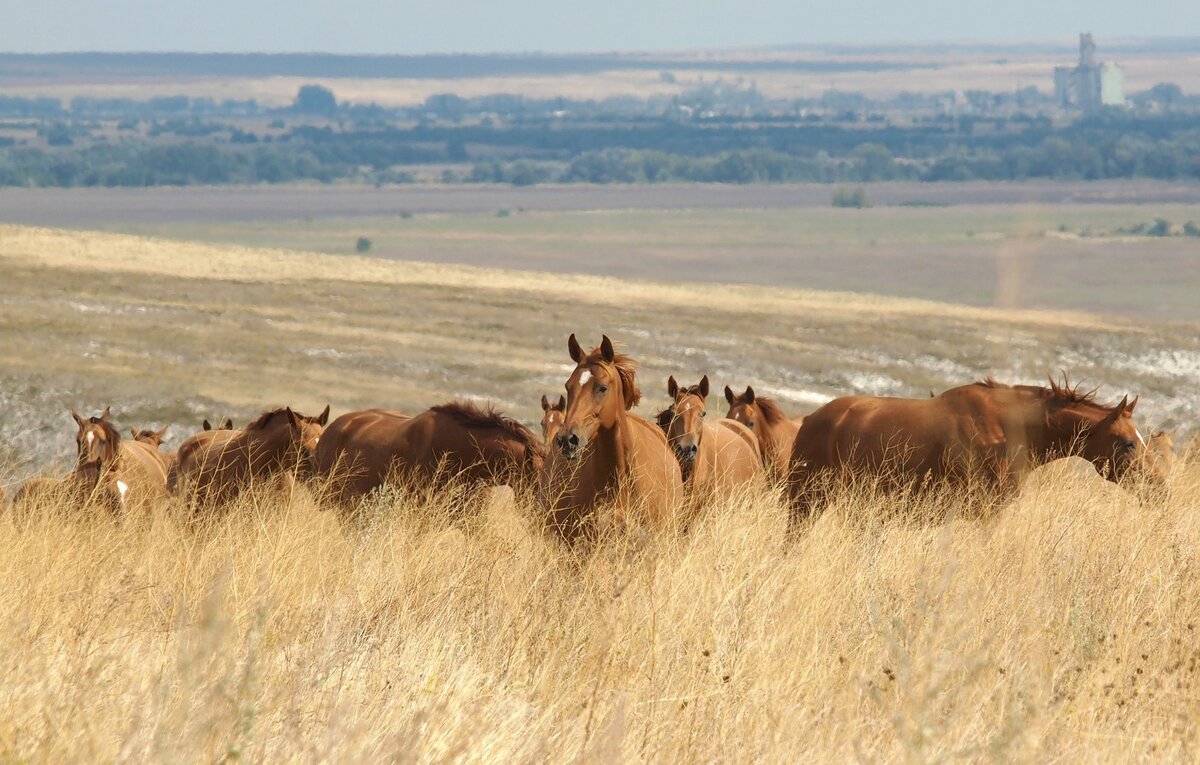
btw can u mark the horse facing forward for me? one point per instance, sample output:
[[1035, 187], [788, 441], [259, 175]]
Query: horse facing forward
[[986, 429], [715, 456], [603, 454]]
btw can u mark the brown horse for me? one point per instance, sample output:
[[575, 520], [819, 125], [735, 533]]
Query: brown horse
[[714, 456], [774, 429], [106, 465], [456, 441], [227, 425], [603, 454], [214, 466], [552, 418], [986, 429]]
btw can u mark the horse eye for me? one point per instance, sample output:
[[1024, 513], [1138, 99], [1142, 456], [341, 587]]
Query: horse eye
[[703, 414], [602, 389]]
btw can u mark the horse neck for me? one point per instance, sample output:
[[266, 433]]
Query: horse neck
[[610, 457], [271, 444], [1047, 432]]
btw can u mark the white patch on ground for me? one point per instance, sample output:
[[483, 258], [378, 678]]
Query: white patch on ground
[[802, 395], [1163, 363]]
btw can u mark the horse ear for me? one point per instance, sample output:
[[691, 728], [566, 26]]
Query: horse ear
[[133, 431], [729, 394], [562, 403], [77, 418], [606, 349], [104, 415], [293, 418], [1133, 404], [672, 386], [574, 349], [545, 403], [229, 423], [323, 417], [206, 425], [162, 433], [704, 387], [749, 395]]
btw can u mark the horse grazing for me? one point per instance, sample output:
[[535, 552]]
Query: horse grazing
[[602, 453], [227, 425], [117, 470], [774, 429], [989, 430], [214, 466], [456, 441], [714, 456], [552, 418]]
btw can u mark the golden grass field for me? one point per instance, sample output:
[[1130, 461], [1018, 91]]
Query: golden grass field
[[1059, 628]]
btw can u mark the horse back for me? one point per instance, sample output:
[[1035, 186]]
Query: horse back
[[144, 465], [735, 456]]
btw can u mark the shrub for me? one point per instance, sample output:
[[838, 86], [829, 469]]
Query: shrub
[[856, 198]]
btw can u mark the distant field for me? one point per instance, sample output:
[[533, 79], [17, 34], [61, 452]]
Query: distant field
[[171, 332], [1006, 255]]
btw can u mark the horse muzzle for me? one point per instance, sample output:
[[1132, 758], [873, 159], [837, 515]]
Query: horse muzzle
[[569, 445], [686, 454]]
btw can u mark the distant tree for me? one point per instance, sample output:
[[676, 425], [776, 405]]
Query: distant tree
[[362, 245], [315, 99]]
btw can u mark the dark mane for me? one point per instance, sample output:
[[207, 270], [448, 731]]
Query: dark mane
[[265, 418], [471, 416], [665, 416], [771, 413], [626, 369]]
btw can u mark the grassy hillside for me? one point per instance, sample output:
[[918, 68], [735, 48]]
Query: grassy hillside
[[171, 332], [1060, 628]]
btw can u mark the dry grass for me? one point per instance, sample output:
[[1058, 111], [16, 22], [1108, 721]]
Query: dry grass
[[1061, 629]]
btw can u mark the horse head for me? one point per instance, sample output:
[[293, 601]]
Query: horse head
[[601, 388], [552, 417], [685, 427]]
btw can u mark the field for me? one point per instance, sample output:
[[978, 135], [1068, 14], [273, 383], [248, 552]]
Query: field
[[1059, 629]]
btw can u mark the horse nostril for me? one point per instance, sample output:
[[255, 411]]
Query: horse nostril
[[573, 440]]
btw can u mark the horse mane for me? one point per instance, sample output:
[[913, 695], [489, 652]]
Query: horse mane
[[626, 369], [771, 413], [1059, 392], [265, 418], [469, 415], [664, 417]]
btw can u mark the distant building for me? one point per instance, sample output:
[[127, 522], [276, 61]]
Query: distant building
[[1089, 85]]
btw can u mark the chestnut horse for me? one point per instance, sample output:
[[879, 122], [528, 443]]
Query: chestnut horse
[[107, 466], [714, 456], [362, 450], [214, 466], [603, 454], [154, 439], [774, 429], [227, 425], [552, 418], [987, 429]]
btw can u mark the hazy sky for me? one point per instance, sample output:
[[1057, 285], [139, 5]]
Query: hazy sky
[[397, 26]]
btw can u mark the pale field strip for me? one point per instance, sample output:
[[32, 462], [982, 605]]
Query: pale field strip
[[107, 252]]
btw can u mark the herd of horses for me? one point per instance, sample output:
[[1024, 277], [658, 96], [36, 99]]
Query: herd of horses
[[597, 463]]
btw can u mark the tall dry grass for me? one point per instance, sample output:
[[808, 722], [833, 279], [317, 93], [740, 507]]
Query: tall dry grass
[[435, 628]]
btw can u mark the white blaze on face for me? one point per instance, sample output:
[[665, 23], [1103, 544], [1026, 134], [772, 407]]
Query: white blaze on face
[[585, 377], [1141, 440], [90, 437], [122, 489]]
